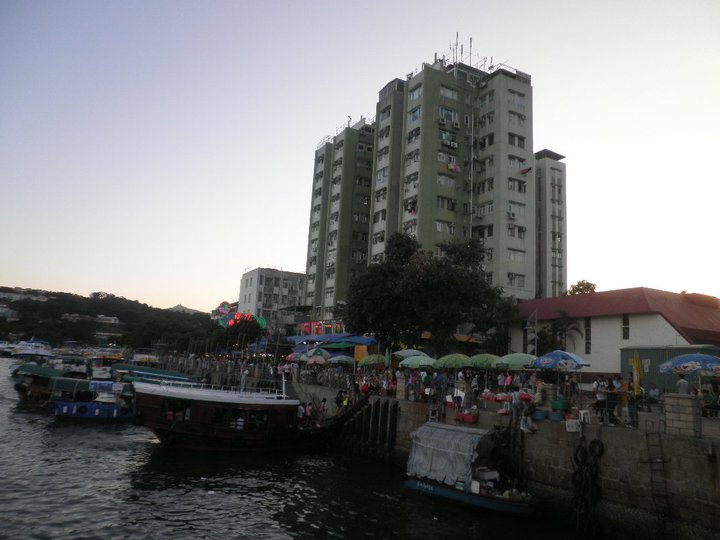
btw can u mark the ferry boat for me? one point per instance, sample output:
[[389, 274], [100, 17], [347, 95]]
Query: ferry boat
[[205, 417], [450, 462]]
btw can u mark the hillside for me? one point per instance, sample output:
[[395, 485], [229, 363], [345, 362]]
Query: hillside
[[58, 317]]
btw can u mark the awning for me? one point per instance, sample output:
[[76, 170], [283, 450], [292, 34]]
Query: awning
[[444, 453]]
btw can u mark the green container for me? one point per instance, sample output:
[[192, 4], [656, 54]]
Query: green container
[[560, 405]]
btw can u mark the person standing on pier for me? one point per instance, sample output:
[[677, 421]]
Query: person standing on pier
[[682, 386]]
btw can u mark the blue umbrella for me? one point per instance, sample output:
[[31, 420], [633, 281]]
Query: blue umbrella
[[696, 363], [560, 360]]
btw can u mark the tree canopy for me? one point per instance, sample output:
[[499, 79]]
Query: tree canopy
[[412, 291], [581, 287]]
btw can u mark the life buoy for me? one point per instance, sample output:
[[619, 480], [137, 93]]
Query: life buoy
[[597, 448], [580, 455]]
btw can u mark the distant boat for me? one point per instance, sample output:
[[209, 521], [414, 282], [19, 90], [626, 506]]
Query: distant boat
[[443, 463], [197, 416], [30, 352]]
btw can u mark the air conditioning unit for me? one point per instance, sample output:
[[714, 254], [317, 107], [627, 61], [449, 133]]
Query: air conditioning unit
[[512, 215], [456, 125], [453, 144], [442, 121]]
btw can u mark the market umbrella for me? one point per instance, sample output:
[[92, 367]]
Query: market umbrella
[[293, 357], [560, 360], [372, 360], [342, 359], [454, 361], [317, 351], [483, 361], [316, 361], [415, 362], [696, 363], [513, 361], [407, 353]]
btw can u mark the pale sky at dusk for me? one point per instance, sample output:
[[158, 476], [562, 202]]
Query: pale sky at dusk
[[157, 150]]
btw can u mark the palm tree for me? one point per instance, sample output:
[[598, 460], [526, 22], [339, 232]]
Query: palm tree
[[555, 335]]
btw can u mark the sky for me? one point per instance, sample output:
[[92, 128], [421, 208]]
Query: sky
[[157, 150]]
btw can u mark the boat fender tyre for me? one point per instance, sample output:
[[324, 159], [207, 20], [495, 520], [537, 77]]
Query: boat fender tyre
[[82, 409], [580, 455], [597, 448], [576, 478]]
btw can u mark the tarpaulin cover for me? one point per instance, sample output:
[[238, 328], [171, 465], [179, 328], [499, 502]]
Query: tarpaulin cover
[[444, 453]]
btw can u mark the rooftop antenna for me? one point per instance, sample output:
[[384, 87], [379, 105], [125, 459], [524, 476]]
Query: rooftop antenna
[[470, 53]]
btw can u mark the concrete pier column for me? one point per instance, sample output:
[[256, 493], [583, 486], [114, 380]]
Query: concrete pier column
[[683, 415]]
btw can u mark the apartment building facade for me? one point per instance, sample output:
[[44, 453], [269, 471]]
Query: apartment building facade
[[271, 294], [552, 224], [451, 159], [339, 217]]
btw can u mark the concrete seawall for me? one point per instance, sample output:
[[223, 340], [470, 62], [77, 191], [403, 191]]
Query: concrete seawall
[[686, 504], [659, 481]]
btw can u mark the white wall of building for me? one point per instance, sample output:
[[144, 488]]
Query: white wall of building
[[646, 330]]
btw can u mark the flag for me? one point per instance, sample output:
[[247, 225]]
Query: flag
[[525, 171]]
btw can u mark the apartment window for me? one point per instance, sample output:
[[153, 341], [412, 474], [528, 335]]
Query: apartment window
[[515, 163], [489, 254], [487, 163], [487, 140], [382, 175], [626, 326], [414, 115], [515, 255], [486, 185], [487, 119], [445, 227], [445, 180], [588, 336], [487, 98], [447, 114], [448, 92], [516, 98], [379, 216], [385, 113], [517, 185], [516, 280], [516, 140], [415, 93], [516, 119], [486, 208]]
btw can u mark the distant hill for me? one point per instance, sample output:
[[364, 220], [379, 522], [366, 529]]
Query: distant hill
[[57, 317], [182, 309]]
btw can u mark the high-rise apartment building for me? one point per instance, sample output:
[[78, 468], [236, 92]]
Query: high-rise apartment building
[[552, 228], [271, 294], [339, 217], [450, 157]]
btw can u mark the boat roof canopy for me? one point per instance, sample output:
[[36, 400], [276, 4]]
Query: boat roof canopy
[[444, 453], [39, 371], [149, 372]]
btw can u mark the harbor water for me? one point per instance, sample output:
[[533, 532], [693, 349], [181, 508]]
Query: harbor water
[[64, 480]]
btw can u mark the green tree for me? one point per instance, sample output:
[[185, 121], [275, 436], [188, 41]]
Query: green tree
[[581, 287], [413, 291], [556, 334]]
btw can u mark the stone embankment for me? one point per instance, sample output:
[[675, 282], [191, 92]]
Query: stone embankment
[[659, 481]]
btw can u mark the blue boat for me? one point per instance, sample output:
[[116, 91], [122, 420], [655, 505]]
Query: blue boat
[[97, 401], [449, 462]]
